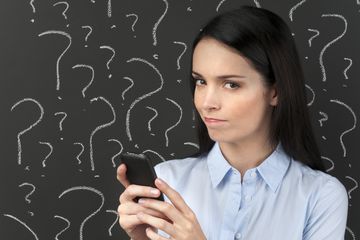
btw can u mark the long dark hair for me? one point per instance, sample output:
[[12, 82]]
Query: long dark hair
[[265, 39]]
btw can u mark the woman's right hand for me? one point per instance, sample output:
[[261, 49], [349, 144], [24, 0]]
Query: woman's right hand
[[128, 208]]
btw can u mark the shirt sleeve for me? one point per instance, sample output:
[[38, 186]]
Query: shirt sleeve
[[327, 220]]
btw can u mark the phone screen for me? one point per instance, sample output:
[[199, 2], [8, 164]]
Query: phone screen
[[139, 170]]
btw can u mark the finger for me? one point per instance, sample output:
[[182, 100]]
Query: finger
[[157, 223], [131, 208], [173, 196], [173, 214], [129, 221], [150, 233], [121, 175], [133, 191]]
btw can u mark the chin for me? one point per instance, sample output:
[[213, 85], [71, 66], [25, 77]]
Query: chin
[[221, 136], [218, 137]]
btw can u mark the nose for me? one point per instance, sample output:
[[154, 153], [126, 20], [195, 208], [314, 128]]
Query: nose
[[210, 100]]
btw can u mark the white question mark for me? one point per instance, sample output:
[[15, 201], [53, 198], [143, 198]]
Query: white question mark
[[156, 114], [158, 22], [351, 232], [85, 188], [128, 88], [317, 33], [68, 225], [219, 4], [350, 129], [121, 149], [156, 153], [352, 189], [332, 163], [178, 59], [109, 8], [88, 34], [177, 123], [346, 69], [61, 120], [31, 126], [136, 19], [313, 95], [31, 192], [192, 144], [116, 220], [99, 128], [62, 54], [113, 55], [24, 224], [189, 8], [143, 96], [66, 8], [47, 156], [33, 8], [257, 4], [294, 8], [92, 76], [330, 43], [82, 150], [323, 119]]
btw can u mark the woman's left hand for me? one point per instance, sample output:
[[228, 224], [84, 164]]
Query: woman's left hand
[[183, 224]]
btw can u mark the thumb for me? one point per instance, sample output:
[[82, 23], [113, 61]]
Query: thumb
[[121, 175]]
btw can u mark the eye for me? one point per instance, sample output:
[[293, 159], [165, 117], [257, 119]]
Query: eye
[[232, 85], [199, 81]]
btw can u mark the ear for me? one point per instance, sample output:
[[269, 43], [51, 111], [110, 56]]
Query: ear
[[273, 96]]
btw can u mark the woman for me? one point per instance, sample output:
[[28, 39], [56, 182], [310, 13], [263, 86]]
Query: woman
[[258, 173]]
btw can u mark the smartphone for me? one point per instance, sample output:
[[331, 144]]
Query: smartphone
[[139, 170]]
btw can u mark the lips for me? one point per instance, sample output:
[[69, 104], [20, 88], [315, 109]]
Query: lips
[[213, 120]]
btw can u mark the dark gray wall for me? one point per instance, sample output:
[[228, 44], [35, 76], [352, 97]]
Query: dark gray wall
[[72, 100]]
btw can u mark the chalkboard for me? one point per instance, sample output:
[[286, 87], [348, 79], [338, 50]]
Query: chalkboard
[[83, 81]]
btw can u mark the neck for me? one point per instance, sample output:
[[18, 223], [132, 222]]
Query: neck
[[246, 155]]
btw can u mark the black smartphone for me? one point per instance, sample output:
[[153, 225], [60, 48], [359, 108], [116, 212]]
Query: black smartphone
[[139, 170]]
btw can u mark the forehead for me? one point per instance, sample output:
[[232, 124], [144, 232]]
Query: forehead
[[213, 57]]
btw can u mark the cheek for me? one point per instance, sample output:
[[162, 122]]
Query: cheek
[[250, 108], [197, 100]]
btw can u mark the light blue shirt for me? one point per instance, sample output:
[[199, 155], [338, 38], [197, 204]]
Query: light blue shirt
[[281, 199]]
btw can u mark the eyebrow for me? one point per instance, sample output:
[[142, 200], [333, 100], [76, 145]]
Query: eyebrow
[[222, 76]]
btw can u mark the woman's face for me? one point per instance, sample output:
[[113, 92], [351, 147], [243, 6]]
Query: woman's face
[[230, 95]]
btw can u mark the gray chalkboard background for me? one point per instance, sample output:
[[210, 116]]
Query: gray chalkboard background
[[82, 81]]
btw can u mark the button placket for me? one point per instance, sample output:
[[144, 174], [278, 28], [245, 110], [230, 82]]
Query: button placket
[[238, 236]]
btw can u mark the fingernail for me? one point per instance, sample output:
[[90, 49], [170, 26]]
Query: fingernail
[[155, 191], [141, 201]]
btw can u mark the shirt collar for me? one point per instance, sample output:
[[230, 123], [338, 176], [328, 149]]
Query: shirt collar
[[272, 169], [217, 164]]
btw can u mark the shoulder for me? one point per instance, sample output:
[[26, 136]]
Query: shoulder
[[326, 202], [176, 170], [179, 166], [316, 180], [322, 191]]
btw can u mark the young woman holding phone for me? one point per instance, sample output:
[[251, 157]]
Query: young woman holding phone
[[258, 173]]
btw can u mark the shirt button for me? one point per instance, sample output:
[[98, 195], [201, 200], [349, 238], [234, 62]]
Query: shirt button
[[238, 236], [247, 198], [253, 174]]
